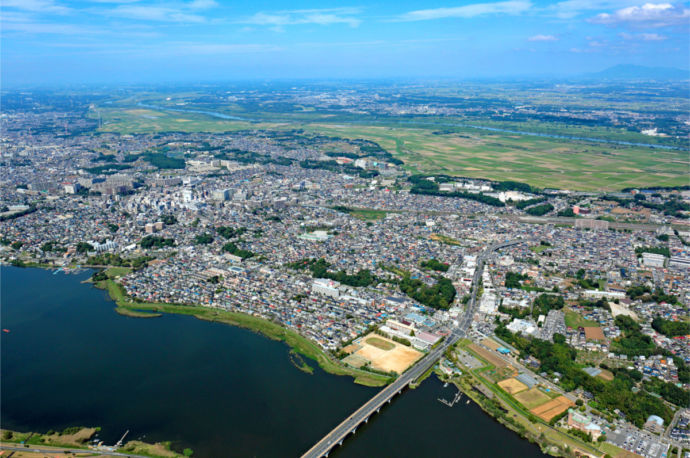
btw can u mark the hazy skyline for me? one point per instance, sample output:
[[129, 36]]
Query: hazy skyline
[[53, 41]]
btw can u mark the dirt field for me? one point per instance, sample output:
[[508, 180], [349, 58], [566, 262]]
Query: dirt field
[[488, 355], [594, 334], [371, 348], [532, 398], [552, 408], [512, 386], [606, 375]]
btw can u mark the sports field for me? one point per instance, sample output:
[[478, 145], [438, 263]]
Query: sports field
[[552, 408], [381, 353]]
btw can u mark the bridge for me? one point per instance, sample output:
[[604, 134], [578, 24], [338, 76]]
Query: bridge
[[361, 415]]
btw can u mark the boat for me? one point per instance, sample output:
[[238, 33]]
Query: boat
[[6, 330], [468, 401]]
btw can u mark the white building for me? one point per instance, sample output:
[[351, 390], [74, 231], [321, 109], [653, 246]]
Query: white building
[[653, 260], [220, 195], [605, 294], [326, 287], [522, 326]]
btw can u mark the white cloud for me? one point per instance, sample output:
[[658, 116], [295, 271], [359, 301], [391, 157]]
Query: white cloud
[[652, 37], [219, 48], [570, 8], [26, 23], [38, 6], [649, 15], [202, 4], [330, 16], [543, 38], [468, 11], [155, 13], [113, 1], [642, 36]]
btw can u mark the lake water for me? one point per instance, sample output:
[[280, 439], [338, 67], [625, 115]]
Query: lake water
[[70, 360]]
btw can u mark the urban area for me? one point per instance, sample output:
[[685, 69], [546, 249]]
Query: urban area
[[580, 338]]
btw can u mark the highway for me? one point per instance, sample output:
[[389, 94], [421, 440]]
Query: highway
[[361, 415]]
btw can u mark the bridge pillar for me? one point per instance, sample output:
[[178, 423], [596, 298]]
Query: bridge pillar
[[366, 420], [378, 410], [354, 430], [340, 443]]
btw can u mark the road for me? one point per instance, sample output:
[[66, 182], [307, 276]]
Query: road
[[361, 415], [54, 450]]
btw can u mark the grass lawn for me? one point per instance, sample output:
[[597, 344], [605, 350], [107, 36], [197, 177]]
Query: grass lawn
[[538, 248], [114, 272], [368, 215], [575, 320]]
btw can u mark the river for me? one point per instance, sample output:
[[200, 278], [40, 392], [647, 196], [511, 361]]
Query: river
[[70, 360]]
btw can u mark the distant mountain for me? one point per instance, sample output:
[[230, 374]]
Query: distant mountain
[[632, 72]]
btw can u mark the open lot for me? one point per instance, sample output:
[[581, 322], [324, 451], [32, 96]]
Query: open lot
[[552, 408], [383, 354], [532, 398]]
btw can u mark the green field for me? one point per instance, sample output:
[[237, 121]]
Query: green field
[[539, 161], [575, 320], [380, 343], [367, 214]]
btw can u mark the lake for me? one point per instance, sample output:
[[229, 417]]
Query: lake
[[70, 360]]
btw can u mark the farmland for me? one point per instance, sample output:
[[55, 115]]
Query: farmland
[[461, 151]]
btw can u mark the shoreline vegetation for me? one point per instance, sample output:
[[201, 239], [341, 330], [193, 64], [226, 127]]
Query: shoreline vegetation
[[76, 439], [300, 345]]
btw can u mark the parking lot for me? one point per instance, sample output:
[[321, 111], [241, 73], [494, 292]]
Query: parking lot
[[639, 442]]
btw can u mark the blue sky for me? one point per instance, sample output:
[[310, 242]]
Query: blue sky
[[120, 41]]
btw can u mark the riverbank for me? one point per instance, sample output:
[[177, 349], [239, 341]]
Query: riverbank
[[76, 439], [501, 407], [299, 344]]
